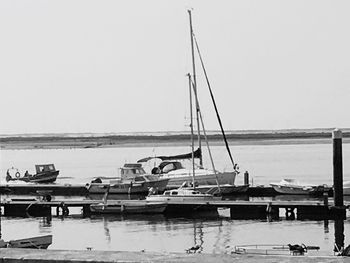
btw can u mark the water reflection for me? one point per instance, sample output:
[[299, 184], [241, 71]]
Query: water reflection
[[46, 221], [339, 235]]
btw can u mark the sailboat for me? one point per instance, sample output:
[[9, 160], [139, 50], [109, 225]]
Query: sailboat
[[171, 167], [177, 174]]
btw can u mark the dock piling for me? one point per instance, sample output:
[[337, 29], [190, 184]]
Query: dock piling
[[337, 168], [246, 178]]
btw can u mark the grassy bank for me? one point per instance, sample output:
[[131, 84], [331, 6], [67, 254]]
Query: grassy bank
[[57, 141]]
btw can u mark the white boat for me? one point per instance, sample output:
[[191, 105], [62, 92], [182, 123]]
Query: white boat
[[180, 195], [128, 207], [177, 174], [225, 189], [292, 186], [40, 242], [133, 180], [171, 167]]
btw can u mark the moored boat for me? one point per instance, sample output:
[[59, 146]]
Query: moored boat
[[39, 242], [45, 173], [178, 174], [225, 189], [133, 180], [180, 195], [292, 186], [171, 167], [128, 207]]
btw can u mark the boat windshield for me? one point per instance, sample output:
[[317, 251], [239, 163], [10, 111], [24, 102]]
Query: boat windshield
[[132, 171]]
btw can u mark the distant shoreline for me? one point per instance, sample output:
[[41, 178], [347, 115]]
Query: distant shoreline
[[112, 141]]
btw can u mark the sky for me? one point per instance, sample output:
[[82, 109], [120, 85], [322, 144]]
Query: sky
[[120, 66]]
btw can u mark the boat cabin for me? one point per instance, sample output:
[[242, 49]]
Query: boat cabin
[[41, 168], [131, 170]]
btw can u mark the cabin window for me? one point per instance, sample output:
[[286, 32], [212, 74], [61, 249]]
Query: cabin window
[[169, 167], [174, 193], [167, 193]]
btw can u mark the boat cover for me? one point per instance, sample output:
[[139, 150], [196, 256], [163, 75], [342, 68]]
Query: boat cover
[[197, 154]]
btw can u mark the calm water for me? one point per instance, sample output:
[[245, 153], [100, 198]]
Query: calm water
[[217, 234]]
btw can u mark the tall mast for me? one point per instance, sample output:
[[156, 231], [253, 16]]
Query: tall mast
[[192, 140], [195, 88]]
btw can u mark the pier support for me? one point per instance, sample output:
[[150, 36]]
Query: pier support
[[290, 215], [246, 178], [337, 168]]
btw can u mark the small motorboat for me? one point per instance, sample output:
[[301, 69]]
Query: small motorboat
[[225, 189], [45, 173], [292, 186], [133, 180], [128, 207], [40, 242], [182, 194]]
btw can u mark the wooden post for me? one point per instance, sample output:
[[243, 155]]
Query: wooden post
[[337, 168], [246, 177]]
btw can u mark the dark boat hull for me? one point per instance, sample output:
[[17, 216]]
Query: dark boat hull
[[45, 177]]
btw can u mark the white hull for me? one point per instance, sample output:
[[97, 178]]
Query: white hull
[[176, 199], [291, 190], [225, 189], [207, 178], [293, 187], [182, 195]]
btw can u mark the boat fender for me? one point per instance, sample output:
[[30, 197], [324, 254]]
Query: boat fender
[[17, 174], [122, 208]]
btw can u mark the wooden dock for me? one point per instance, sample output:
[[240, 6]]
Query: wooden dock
[[238, 209], [10, 255], [81, 190], [54, 189]]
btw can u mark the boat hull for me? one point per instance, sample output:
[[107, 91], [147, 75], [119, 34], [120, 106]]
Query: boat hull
[[181, 198], [225, 189], [41, 242], [176, 180], [292, 190], [127, 188], [46, 177], [129, 207]]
